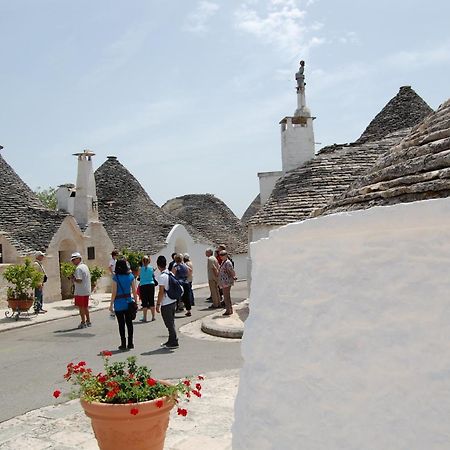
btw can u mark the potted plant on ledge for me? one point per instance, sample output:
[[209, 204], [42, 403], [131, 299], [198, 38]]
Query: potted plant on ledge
[[128, 408], [24, 278]]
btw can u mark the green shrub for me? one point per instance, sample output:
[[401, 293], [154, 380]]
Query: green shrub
[[24, 277]]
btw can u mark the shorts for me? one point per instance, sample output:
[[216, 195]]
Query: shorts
[[82, 301], [147, 295]]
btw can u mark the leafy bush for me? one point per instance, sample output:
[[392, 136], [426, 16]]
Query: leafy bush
[[96, 273], [25, 277], [134, 258], [67, 269]]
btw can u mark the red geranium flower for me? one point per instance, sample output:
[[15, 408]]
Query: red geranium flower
[[187, 383], [196, 393], [134, 411], [182, 412], [200, 377], [159, 403], [56, 394], [151, 381], [198, 386], [106, 353]]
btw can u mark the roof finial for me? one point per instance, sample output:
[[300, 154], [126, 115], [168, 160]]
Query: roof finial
[[300, 77]]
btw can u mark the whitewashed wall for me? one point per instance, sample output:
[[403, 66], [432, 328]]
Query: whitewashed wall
[[347, 345]]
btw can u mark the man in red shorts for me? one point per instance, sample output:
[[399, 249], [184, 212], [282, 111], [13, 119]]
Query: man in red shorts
[[82, 281]]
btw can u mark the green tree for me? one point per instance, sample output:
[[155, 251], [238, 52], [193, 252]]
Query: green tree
[[47, 197]]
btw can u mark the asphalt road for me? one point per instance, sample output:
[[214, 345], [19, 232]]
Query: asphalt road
[[33, 359]]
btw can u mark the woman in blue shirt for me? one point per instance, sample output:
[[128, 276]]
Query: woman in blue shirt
[[147, 288], [122, 294]]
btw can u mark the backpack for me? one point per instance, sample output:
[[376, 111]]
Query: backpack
[[175, 290], [182, 272]]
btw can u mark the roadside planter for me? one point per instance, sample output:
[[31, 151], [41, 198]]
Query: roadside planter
[[127, 407], [24, 278]]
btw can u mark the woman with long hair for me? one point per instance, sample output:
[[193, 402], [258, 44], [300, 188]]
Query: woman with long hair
[[122, 294]]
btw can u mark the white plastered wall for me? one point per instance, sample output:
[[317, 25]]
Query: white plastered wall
[[347, 342], [180, 241], [267, 181]]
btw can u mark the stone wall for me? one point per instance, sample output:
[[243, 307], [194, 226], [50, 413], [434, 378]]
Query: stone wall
[[347, 342]]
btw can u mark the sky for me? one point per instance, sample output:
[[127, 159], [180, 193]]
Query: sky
[[188, 94]]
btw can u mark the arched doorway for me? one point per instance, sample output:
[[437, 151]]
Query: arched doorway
[[66, 248]]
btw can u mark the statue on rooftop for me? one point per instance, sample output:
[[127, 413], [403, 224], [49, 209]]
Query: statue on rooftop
[[300, 77]]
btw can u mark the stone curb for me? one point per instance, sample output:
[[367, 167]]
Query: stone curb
[[231, 327]]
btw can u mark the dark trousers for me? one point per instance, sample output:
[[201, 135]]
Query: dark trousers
[[186, 297], [38, 299], [124, 318], [168, 315]]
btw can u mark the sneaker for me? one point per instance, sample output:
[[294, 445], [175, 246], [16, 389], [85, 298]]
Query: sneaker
[[130, 346], [88, 324], [169, 345], [82, 325], [122, 347], [188, 314]]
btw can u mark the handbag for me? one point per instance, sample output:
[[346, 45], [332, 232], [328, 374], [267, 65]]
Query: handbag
[[132, 309]]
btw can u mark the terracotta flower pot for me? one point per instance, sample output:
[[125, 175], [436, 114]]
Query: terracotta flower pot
[[20, 305], [116, 428]]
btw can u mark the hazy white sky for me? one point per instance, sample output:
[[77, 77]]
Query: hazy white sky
[[188, 94]]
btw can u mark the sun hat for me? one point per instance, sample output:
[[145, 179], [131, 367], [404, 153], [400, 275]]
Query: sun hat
[[75, 255]]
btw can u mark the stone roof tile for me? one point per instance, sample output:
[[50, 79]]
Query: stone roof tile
[[24, 220], [212, 217], [417, 168], [129, 215]]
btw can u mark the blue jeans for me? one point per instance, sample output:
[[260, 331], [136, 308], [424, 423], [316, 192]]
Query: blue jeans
[[38, 299]]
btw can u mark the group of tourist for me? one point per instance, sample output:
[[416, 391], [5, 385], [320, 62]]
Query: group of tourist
[[127, 288]]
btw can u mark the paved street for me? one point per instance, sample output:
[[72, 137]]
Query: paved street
[[33, 359]]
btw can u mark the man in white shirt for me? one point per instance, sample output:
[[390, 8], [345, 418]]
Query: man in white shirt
[[166, 305], [82, 281]]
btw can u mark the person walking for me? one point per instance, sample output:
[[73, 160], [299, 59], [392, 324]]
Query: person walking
[[226, 280], [213, 273], [82, 283], [181, 272], [122, 294], [147, 288], [39, 290], [165, 305]]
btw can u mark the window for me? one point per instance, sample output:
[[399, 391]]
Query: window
[[1, 254], [91, 252]]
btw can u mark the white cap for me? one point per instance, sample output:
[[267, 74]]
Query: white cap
[[39, 253], [75, 255]]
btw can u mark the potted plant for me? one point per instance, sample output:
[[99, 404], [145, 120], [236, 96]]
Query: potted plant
[[134, 259], [128, 408], [96, 273], [24, 278]]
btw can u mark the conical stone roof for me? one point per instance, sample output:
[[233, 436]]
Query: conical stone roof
[[252, 209], [405, 110], [129, 215], [24, 220], [212, 217], [313, 185], [418, 168]]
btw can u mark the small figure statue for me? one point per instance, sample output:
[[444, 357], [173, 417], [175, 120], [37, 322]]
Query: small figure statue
[[300, 77]]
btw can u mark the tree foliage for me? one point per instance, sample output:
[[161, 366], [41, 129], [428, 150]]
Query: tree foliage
[[47, 197]]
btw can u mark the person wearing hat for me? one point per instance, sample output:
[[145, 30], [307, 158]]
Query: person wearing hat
[[39, 290], [82, 282]]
